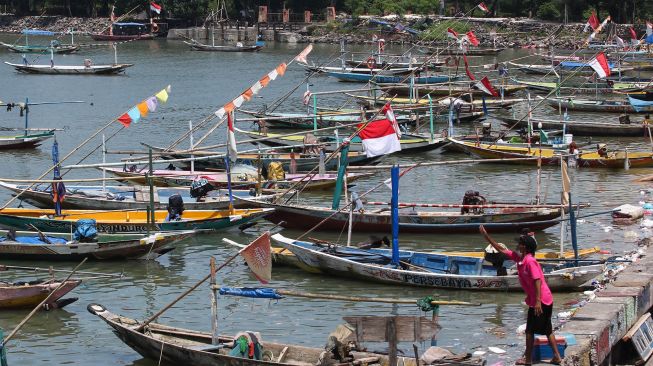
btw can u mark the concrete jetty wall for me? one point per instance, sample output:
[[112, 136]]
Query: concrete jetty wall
[[240, 34], [600, 324]]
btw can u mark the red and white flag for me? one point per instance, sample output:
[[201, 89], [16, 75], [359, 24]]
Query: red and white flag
[[231, 137], [485, 86], [471, 37], [390, 115], [620, 42], [633, 37], [593, 22], [649, 28], [307, 97], [469, 73], [600, 65], [112, 16], [155, 7], [379, 138], [452, 34], [259, 258], [302, 55], [483, 7]]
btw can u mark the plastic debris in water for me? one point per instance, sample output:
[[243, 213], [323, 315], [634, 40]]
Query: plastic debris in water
[[496, 350]]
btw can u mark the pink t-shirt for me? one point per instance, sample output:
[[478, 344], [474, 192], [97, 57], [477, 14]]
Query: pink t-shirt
[[529, 271]]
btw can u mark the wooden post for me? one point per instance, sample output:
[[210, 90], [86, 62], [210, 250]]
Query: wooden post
[[214, 305], [392, 340]]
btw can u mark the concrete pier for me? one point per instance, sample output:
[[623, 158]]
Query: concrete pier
[[233, 34], [600, 324]]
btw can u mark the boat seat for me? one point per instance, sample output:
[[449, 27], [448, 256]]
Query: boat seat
[[208, 347], [430, 262], [465, 266]]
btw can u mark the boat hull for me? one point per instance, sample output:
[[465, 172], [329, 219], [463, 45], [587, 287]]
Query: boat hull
[[579, 128], [28, 296], [70, 70], [24, 141]]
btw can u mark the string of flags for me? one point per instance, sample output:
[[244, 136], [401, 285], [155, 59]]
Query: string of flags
[[145, 107]]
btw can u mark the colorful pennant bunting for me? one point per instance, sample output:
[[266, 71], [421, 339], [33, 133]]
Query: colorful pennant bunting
[[143, 108]]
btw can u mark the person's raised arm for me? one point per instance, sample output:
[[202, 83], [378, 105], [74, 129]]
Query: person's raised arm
[[500, 248]]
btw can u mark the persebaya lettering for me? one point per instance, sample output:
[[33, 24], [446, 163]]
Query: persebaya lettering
[[437, 281]]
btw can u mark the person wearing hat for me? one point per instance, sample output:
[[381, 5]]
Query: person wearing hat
[[602, 150], [538, 294]]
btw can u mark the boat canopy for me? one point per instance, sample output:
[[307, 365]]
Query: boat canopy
[[38, 32]]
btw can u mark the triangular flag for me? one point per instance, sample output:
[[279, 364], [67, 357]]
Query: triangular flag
[[593, 22], [265, 81], [633, 34], [238, 101], [256, 87], [302, 55], [281, 69], [162, 96], [152, 103], [229, 107], [134, 114], [487, 87], [600, 65], [452, 34], [390, 115], [220, 113], [125, 120], [483, 7], [231, 138], [259, 258], [472, 38], [143, 109], [469, 73], [273, 74], [248, 94]]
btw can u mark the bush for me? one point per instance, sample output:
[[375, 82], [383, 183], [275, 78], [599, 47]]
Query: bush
[[548, 11]]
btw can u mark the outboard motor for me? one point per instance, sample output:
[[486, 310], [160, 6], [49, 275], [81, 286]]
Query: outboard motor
[[175, 207], [200, 188], [85, 231]]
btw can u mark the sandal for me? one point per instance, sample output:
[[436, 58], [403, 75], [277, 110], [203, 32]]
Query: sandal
[[522, 361], [555, 362]]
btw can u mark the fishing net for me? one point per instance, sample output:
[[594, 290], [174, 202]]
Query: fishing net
[[426, 304]]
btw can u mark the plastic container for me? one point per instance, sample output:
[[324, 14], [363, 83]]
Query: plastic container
[[542, 350], [567, 138]]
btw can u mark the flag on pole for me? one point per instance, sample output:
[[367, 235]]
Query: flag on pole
[[113, 15], [485, 86], [619, 41], [600, 65], [649, 28], [302, 55], [469, 73], [452, 34], [154, 7], [379, 138], [259, 258], [483, 7], [471, 37], [566, 183], [307, 97], [633, 34], [231, 137], [390, 115], [593, 22]]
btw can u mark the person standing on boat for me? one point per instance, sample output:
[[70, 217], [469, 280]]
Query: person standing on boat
[[538, 294]]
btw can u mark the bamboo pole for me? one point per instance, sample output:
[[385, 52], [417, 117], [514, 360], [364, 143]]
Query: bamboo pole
[[449, 162], [39, 269], [38, 307]]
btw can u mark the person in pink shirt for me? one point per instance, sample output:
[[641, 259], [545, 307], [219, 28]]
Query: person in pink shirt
[[538, 294]]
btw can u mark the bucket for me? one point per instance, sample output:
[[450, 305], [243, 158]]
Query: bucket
[[567, 138]]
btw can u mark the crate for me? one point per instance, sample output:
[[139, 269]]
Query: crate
[[542, 350]]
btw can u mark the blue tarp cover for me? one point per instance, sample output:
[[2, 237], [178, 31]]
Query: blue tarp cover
[[36, 240], [256, 292], [38, 32]]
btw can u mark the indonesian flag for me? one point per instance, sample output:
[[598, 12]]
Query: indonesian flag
[[113, 15], [619, 41], [155, 7], [483, 7], [259, 258], [593, 22], [469, 73], [379, 138], [600, 65], [472, 38], [231, 137], [307, 97], [452, 34], [302, 55], [649, 28], [487, 87], [633, 35], [390, 115]]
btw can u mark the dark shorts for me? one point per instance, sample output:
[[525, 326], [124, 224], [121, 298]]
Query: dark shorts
[[540, 324]]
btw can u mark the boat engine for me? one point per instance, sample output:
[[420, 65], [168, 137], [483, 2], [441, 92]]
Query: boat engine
[[200, 188], [175, 207]]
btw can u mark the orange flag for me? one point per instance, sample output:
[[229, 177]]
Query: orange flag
[[259, 258]]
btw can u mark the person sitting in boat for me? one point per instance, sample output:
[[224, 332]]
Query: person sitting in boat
[[602, 150], [375, 242], [472, 198]]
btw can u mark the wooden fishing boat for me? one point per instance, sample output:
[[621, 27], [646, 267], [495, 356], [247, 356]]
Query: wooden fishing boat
[[29, 294], [127, 221], [176, 346], [641, 102], [177, 178], [394, 62], [461, 102], [108, 69], [51, 247], [471, 51], [130, 197], [458, 88], [565, 67], [423, 269], [601, 86], [385, 79], [308, 121], [58, 48], [614, 160], [361, 70], [603, 106], [410, 143], [24, 141], [582, 128], [130, 32], [412, 220], [198, 46], [303, 162]]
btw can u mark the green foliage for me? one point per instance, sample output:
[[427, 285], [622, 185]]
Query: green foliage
[[549, 11], [438, 31]]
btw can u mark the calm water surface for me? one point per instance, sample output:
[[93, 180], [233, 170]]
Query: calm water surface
[[201, 83]]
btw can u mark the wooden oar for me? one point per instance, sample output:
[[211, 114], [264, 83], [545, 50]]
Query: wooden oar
[[38, 307]]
